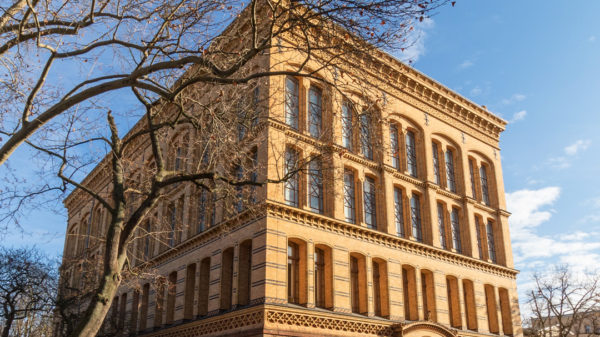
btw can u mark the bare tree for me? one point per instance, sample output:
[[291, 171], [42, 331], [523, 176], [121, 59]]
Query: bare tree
[[565, 304], [27, 292], [190, 70]]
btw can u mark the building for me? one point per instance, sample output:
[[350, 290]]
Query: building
[[585, 324], [405, 233]]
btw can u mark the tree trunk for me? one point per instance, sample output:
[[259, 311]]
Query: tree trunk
[[8, 323]]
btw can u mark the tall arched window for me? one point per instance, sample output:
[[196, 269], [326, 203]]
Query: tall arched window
[[203, 286], [366, 146], [349, 197], [358, 284], [472, 166], [380, 289], [470, 305], [441, 210], [319, 273], [453, 302], [171, 293], [490, 241], [394, 146], [245, 273], [293, 273], [291, 102], [428, 293], [315, 111], [347, 122], [507, 326], [436, 163], [190, 286], [478, 232], [411, 153], [291, 185], [492, 312], [370, 205], [455, 224], [409, 288], [450, 176], [415, 215], [315, 186], [226, 278], [485, 193], [399, 211]]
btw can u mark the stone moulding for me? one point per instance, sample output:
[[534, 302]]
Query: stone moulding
[[285, 212], [405, 328]]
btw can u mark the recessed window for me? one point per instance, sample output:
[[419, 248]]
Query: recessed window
[[366, 147], [293, 273], [450, 178], [370, 207], [485, 194], [490, 241], [442, 225], [399, 211], [319, 278], [473, 180], [394, 147], [347, 125], [455, 227], [479, 237], [291, 185], [436, 163], [315, 186], [315, 115], [411, 153], [291, 102], [349, 197], [415, 215]]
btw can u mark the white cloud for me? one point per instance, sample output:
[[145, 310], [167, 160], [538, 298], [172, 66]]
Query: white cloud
[[413, 52], [466, 64], [476, 91], [592, 38], [513, 99], [580, 145], [519, 115], [559, 162], [533, 246]]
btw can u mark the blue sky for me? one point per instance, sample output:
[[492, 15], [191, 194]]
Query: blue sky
[[536, 65]]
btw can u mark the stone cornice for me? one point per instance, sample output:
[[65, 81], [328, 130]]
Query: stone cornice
[[299, 216]]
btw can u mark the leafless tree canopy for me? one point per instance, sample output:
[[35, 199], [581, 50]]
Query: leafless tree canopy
[[565, 304], [75, 75], [28, 283]]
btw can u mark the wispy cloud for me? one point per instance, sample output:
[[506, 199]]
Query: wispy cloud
[[413, 52], [570, 151], [531, 210], [592, 38], [519, 115], [514, 99], [466, 64], [476, 91], [580, 145]]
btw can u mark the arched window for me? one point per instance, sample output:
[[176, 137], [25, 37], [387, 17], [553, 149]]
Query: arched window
[[245, 273], [394, 146], [428, 293], [349, 197], [436, 163], [485, 193], [409, 288], [315, 186], [441, 210], [171, 292], [319, 273], [456, 230], [450, 175], [380, 288], [492, 312], [315, 112], [370, 205], [507, 326], [366, 145], [478, 232], [472, 166], [190, 286], [415, 215], [135, 303], [144, 306], [226, 278], [159, 304], [470, 305], [203, 286], [358, 283], [347, 123], [490, 241], [291, 102], [411, 153], [291, 185], [399, 211], [293, 255], [453, 302]]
